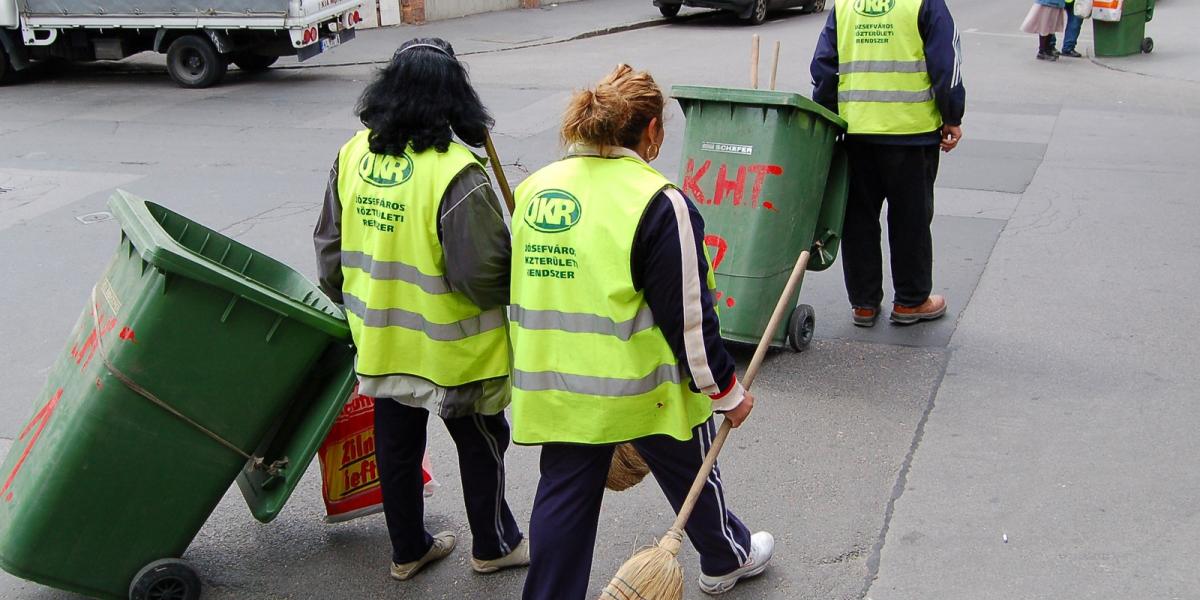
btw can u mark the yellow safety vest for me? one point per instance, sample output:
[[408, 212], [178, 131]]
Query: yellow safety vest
[[403, 315], [589, 364], [883, 85]]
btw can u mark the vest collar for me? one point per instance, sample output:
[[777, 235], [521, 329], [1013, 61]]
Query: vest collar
[[603, 152]]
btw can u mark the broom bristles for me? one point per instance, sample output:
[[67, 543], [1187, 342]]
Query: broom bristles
[[627, 468], [652, 573]]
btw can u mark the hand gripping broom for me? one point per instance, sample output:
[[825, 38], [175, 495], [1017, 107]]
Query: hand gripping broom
[[653, 573]]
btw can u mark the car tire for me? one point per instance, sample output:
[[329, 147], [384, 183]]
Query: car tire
[[758, 13], [193, 62], [253, 63], [669, 11], [813, 6]]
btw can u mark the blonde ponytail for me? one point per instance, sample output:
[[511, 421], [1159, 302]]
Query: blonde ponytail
[[615, 111]]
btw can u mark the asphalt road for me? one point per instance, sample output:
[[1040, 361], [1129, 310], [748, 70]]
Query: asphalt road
[[1038, 442]]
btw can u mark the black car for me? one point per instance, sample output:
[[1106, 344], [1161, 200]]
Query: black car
[[751, 11]]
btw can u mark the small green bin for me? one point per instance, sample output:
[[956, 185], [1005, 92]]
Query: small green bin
[[769, 177], [189, 341], [1127, 36]]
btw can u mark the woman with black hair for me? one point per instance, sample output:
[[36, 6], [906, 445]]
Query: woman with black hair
[[412, 242]]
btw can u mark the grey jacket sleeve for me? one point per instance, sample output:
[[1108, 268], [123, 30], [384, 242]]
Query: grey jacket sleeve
[[327, 237], [475, 240]]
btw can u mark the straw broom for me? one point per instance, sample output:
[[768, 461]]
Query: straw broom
[[627, 468], [654, 573]]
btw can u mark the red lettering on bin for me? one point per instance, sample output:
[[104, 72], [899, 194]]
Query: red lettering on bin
[[691, 180], [40, 419], [723, 187]]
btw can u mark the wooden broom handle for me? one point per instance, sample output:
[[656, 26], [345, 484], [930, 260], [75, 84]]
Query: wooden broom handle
[[775, 65], [754, 61], [499, 171], [760, 352]]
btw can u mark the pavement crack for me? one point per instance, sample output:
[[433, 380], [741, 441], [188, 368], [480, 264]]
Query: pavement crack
[[902, 480]]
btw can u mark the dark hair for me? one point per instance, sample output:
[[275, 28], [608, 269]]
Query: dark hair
[[616, 111], [421, 96]]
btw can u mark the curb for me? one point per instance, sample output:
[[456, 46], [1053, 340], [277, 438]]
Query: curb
[[610, 30]]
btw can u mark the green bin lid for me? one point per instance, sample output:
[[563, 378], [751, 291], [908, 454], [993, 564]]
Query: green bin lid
[[191, 250], [756, 98]]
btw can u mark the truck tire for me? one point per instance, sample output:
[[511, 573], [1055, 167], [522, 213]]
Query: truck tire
[[193, 62], [6, 68], [253, 63]]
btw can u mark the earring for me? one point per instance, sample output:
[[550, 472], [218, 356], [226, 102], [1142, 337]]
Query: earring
[[652, 155]]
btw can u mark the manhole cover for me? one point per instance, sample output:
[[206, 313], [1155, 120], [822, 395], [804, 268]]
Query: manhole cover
[[95, 217]]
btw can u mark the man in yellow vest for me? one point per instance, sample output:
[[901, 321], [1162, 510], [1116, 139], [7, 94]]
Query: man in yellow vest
[[891, 69], [412, 242]]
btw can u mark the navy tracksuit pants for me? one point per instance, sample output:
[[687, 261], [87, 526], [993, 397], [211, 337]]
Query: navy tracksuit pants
[[481, 440], [566, 511]]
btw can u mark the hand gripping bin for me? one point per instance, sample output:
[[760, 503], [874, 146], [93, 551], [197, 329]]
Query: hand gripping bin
[[769, 177], [196, 359]]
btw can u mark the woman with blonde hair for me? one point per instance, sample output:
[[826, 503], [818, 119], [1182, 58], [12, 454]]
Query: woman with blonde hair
[[615, 339]]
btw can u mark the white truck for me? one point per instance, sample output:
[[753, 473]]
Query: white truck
[[199, 37]]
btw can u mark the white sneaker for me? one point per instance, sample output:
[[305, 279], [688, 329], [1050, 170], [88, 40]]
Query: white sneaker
[[762, 547], [519, 557], [443, 545]]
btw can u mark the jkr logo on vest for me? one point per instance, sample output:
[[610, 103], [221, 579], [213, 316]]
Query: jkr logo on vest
[[874, 8], [553, 211], [383, 170]]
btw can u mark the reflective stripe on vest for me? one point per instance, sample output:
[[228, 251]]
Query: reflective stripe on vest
[[403, 314], [596, 386], [442, 332], [395, 270], [883, 85], [589, 364], [882, 66], [581, 322]]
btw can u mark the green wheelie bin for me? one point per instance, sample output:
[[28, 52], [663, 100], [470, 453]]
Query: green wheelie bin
[[769, 177], [196, 361], [1127, 36]]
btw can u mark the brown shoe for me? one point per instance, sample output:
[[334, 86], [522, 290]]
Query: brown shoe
[[933, 308], [865, 317]]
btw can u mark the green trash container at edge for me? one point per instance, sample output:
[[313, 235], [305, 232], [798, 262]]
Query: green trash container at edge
[[105, 488], [1127, 36], [769, 178]]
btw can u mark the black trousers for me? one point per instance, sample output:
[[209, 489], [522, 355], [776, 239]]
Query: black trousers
[[566, 511], [481, 440], [904, 176]]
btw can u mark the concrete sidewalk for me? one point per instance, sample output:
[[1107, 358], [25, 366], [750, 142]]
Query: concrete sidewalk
[[1060, 457]]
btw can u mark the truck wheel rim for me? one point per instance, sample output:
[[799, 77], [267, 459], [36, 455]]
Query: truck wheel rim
[[193, 63]]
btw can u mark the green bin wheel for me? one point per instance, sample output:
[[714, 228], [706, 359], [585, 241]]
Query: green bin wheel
[[669, 11], [166, 579], [801, 326], [1148, 45]]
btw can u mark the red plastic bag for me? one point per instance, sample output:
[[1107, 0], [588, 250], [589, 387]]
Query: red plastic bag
[[349, 473]]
